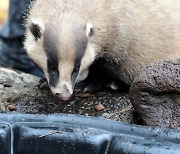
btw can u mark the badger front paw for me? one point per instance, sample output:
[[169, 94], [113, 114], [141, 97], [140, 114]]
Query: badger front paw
[[85, 87]]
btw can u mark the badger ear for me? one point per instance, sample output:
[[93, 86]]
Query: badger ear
[[89, 30], [36, 28]]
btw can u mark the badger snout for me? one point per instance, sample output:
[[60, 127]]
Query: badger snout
[[62, 91], [64, 96]]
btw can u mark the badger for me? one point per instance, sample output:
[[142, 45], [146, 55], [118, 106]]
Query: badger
[[65, 37]]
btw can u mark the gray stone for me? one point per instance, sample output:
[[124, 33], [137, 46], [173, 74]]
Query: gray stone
[[155, 94], [13, 84]]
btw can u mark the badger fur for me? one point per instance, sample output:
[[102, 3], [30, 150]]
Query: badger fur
[[64, 37]]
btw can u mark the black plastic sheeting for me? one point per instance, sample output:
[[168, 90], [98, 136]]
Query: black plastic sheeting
[[73, 134]]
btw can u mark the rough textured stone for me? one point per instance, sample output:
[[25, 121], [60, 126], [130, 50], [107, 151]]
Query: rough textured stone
[[14, 84], [155, 94]]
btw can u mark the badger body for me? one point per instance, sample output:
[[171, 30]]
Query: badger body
[[65, 37]]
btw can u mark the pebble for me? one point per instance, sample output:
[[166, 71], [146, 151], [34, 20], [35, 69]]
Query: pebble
[[11, 107], [99, 107]]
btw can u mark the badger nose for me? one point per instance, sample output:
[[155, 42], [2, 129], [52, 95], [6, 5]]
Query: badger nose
[[64, 96]]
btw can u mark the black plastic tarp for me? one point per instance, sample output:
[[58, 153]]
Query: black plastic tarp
[[73, 134]]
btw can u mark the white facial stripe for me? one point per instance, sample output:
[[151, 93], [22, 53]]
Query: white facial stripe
[[88, 57], [87, 60], [82, 76]]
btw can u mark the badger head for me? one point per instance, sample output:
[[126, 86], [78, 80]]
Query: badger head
[[64, 51]]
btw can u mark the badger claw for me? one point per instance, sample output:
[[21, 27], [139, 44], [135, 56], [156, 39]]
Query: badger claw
[[43, 84], [92, 88]]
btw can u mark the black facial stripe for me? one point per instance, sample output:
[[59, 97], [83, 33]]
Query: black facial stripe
[[52, 62], [36, 31], [75, 72], [73, 78], [53, 72], [81, 44]]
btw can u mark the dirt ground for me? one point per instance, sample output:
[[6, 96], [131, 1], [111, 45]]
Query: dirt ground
[[20, 93]]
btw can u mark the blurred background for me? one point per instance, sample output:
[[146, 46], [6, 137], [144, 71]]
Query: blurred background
[[12, 31], [4, 4]]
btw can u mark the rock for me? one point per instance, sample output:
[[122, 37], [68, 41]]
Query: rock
[[11, 107], [14, 84], [155, 94], [99, 107]]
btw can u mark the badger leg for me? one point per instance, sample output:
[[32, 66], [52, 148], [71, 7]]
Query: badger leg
[[100, 78], [88, 86], [97, 79]]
